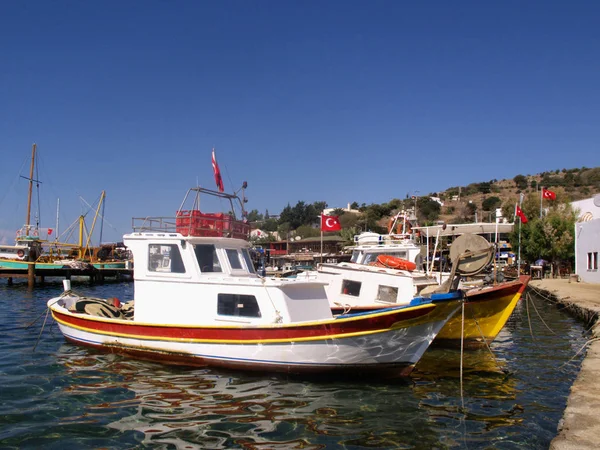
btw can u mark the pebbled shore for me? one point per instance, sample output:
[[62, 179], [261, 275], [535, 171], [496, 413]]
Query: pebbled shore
[[580, 426]]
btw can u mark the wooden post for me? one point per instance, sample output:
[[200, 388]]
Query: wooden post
[[30, 271]]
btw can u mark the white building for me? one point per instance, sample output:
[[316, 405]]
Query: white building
[[587, 239], [329, 211]]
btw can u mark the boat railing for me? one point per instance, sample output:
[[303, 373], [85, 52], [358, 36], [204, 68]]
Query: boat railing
[[191, 221], [195, 223]]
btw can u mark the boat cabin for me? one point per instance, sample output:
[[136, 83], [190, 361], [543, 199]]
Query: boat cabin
[[370, 245], [211, 280]]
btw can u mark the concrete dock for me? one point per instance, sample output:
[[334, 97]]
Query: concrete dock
[[580, 426]]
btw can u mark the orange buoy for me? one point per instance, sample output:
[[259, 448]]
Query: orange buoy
[[394, 262]]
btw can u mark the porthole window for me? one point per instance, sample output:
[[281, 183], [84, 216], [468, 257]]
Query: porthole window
[[350, 287], [387, 294]]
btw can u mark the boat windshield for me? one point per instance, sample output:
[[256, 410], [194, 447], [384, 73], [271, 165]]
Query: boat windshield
[[248, 260], [372, 257], [206, 254]]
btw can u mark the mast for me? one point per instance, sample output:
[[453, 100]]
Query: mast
[[30, 188]]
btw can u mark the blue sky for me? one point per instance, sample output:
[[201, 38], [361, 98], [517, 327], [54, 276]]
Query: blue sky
[[335, 101]]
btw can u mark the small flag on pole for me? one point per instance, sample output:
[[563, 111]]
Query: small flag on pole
[[519, 212], [548, 195], [218, 178], [330, 223]]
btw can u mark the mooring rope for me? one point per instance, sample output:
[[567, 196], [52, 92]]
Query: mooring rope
[[529, 318], [489, 348], [40, 335], [540, 316], [579, 351]]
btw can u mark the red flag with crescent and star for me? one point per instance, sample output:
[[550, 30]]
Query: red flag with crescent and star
[[548, 195], [217, 172], [519, 212], [330, 223]]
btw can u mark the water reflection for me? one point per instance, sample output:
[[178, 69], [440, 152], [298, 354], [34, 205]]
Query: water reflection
[[78, 398], [209, 409]]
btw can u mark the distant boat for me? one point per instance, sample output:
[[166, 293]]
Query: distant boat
[[28, 247]]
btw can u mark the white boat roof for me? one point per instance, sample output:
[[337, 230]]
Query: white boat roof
[[463, 228]]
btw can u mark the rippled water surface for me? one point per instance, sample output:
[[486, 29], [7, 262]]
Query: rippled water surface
[[57, 395]]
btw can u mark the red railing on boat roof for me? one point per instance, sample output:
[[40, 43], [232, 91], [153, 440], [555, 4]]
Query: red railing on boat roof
[[193, 222]]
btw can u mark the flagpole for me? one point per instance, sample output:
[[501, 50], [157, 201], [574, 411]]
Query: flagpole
[[519, 252], [321, 245], [541, 199], [520, 222]]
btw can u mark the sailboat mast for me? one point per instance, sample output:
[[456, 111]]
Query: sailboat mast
[[57, 216], [30, 188]]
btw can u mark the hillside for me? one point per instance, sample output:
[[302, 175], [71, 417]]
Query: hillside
[[485, 196]]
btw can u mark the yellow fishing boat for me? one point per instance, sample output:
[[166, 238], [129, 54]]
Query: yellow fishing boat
[[486, 311]]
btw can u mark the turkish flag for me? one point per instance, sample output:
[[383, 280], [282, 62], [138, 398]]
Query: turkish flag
[[217, 172], [519, 212], [549, 195], [330, 223], [49, 231]]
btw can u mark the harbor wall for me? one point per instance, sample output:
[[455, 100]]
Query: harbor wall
[[579, 427]]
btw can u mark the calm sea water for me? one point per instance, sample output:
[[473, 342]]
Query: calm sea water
[[57, 395]]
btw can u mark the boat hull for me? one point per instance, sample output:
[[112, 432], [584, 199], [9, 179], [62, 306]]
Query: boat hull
[[486, 312], [391, 340]]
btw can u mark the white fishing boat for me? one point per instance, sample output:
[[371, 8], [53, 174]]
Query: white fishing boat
[[198, 300], [389, 270]]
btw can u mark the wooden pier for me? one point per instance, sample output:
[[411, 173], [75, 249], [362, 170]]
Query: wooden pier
[[93, 274]]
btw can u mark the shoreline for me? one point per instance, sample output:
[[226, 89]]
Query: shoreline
[[579, 427]]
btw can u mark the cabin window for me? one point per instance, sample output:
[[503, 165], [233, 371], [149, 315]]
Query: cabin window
[[238, 305], [234, 258], [206, 254], [248, 259], [165, 258], [350, 287], [355, 255], [387, 294]]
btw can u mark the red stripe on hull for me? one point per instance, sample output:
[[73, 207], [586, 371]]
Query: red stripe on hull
[[131, 328], [490, 293]]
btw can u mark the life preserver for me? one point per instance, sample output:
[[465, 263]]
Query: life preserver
[[20, 253], [18, 233], [393, 262], [35, 232]]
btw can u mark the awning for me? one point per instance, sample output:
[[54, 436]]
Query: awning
[[463, 228]]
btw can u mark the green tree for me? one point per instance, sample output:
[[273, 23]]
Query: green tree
[[348, 234], [254, 216], [485, 187], [521, 182], [551, 237], [269, 225], [491, 203], [427, 210], [349, 220], [307, 231]]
